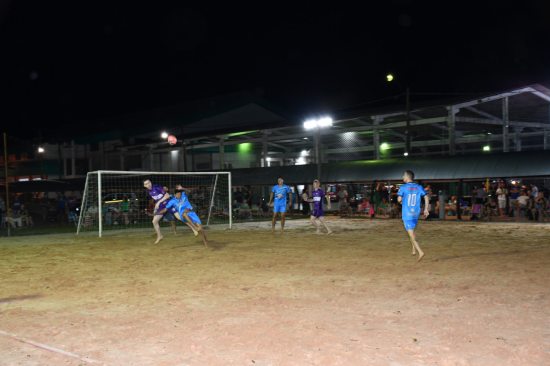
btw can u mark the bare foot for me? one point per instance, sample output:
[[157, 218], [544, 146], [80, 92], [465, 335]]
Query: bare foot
[[329, 232], [413, 252], [159, 238], [420, 256], [195, 232]]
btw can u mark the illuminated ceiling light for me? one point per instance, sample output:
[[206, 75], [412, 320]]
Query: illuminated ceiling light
[[164, 135], [41, 150], [486, 148], [405, 154], [384, 146], [323, 122], [389, 78]]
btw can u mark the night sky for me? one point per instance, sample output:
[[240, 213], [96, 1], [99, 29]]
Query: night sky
[[63, 63]]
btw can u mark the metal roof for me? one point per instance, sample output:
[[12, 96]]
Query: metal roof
[[502, 165]]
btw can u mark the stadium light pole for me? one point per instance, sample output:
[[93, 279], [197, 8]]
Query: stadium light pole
[[317, 125], [390, 78]]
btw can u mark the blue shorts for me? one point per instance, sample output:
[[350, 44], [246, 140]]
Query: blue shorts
[[169, 216], [193, 216], [410, 224], [279, 206]]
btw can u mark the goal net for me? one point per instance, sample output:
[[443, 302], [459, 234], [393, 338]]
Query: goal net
[[117, 200]]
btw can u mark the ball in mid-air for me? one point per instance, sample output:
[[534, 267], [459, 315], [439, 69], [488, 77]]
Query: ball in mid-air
[[172, 140]]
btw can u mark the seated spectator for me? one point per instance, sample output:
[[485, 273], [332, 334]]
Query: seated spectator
[[26, 218], [14, 219], [523, 202], [450, 206], [366, 208]]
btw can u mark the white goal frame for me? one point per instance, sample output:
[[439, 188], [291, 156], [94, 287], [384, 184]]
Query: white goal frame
[[148, 173]]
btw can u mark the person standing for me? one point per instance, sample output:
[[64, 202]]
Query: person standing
[[161, 198], [318, 214], [280, 200], [409, 195]]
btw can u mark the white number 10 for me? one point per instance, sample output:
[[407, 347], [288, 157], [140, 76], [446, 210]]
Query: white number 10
[[411, 200]]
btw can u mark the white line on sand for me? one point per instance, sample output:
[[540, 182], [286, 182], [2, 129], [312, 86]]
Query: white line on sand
[[49, 348]]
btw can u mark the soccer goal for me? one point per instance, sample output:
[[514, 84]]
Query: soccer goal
[[117, 200]]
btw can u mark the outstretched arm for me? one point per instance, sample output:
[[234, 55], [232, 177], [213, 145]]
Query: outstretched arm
[[270, 198]]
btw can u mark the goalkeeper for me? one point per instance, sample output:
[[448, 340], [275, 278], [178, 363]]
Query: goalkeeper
[[183, 210]]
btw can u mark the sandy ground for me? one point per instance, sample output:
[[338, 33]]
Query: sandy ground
[[479, 297]]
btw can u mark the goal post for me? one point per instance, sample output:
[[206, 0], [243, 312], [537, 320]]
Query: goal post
[[117, 200]]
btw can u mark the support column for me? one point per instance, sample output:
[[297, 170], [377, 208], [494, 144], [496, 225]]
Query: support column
[[184, 157], [505, 125], [122, 151], [408, 129], [451, 126], [376, 137], [546, 139], [517, 138], [317, 139], [89, 156], [73, 158], [264, 150], [222, 153], [151, 167], [62, 150]]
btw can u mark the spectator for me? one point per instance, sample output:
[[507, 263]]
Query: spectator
[[540, 206], [125, 209], [534, 191], [513, 200], [523, 202], [502, 196], [383, 208], [366, 208]]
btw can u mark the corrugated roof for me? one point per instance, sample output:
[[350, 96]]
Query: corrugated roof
[[513, 164]]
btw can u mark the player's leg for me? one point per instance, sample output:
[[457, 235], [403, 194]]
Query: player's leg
[[315, 223], [156, 226], [194, 221], [283, 214], [273, 220], [322, 220], [410, 225], [190, 225]]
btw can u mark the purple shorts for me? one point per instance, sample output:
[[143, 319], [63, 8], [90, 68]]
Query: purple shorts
[[161, 208], [317, 212]]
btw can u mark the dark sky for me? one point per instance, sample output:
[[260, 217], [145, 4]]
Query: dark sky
[[65, 62]]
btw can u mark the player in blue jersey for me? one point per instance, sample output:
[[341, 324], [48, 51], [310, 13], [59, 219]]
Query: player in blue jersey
[[280, 199], [409, 195], [183, 211], [161, 197], [318, 214]]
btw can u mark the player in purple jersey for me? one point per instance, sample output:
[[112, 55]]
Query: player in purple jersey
[[409, 196], [318, 215], [161, 198]]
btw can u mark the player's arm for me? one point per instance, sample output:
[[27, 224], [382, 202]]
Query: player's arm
[[164, 198], [399, 199], [328, 200], [426, 205], [270, 198]]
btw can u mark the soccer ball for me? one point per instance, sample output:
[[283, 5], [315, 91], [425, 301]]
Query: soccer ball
[[172, 140]]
